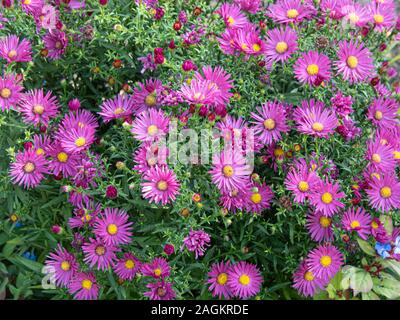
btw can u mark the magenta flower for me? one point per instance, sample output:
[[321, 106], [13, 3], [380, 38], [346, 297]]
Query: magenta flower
[[28, 169], [356, 14], [218, 280], [158, 268], [314, 119], [56, 43], [270, 122], [160, 290], [150, 125], [383, 113], [357, 220], [78, 119], [149, 155], [64, 266], [127, 267], [380, 157], [39, 108], [305, 281], [113, 227], [84, 286], [258, 198], [251, 6], [98, 254], [10, 92], [230, 171], [290, 11], [199, 92], [249, 42], [196, 242], [147, 95], [233, 17], [85, 216], [382, 16], [319, 227], [233, 200], [116, 108], [355, 61], [312, 67], [244, 280], [31, 6], [281, 44], [76, 140], [384, 193], [62, 161], [160, 185], [325, 198], [325, 261], [12, 50]]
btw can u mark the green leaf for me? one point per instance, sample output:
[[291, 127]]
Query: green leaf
[[388, 287], [366, 247], [393, 265]]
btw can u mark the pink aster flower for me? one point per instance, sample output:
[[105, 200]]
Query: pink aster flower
[[312, 67], [355, 61], [325, 261], [196, 242], [41, 144], [56, 43], [384, 193], [281, 44], [218, 280], [28, 169], [258, 198], [357, 220], [319, 227], [158, 268], [289, 11], [39, 108], [199, 92], [249, 42], [382, 16], [380, 156], [84, 286], [325, 198], [301, 181], [127, 267], [116, 108], [113, 227], [251, 6], [31, 6], [232, 16], [383, 113], [305, 281], [230, 171], [12, 50], [160, 185], [63, 264], [150, 125], [314, 119], [147, 95], [227, 41], [160, 290], [10, 92], [270, 122], [244, 280], [378, 231], [78, 119], [98, 254], [149, 155], [76, 140], [355, 14], [86, 215], [62, 161], [220, 81]]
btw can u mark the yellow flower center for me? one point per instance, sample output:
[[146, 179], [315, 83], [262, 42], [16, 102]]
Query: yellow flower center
[[378, 18], [5, 93], [58, 45], [325, 222], [129, 264], [355, 224], [80, 142], [150, 100], [396, 155], [112, 229], [386, 192], [303, 186], [38, 109], [327, 198], [222, 278], [27, 2], [62, 157], [256, 198], [86, 218], [87, 284], [269, 124], [352, 62], [378, 115], [152, 130], [39, 151], [119, 111], [292, 14], [162, 185], [157, 272], [325, 261], [244, 47], [354, 17], [312, 69], [231, 21], [65, 265], [376, 158], [244, 279], [317, 126], [281, 47], [278, 152], [374, 225], [256, 47], [29, 167], [228, 171], [100, 250], [309, 276], [12, 54]]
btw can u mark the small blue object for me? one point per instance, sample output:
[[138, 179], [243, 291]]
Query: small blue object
[[29, 255], [18, 225], [397, 246], [383, 249]]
